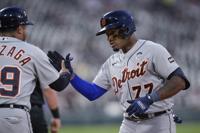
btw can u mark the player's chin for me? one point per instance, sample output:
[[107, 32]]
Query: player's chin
[[115, 49]]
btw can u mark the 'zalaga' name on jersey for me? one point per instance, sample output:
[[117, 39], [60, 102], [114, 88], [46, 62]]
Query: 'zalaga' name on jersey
[[18, 55]]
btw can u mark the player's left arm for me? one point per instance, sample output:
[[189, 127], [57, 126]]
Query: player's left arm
[[176, 82], [51, 98], [168, 69], [47, 74]]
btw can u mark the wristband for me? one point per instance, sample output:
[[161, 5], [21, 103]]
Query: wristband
[[154, 96], [55, 113]]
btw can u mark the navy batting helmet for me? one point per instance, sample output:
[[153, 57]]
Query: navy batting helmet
[[12, 17], [118, 19]]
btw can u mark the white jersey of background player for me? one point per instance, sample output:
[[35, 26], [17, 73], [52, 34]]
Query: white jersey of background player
[[142, 74], [21, 64]]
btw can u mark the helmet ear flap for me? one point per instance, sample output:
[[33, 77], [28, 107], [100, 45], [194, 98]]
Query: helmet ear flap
[[124, 32]]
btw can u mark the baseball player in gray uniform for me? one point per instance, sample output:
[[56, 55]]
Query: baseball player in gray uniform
[[21, 65], [142, 74]]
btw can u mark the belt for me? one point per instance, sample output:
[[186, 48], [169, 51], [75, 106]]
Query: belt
[[14, 106], [36, 105], [140, 117]]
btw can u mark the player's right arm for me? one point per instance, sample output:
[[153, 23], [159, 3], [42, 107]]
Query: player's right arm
[[47, 75], [90, 90], [166, 66]]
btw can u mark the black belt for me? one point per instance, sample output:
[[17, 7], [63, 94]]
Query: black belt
[[140, 117], [14, 106], [36, 105]]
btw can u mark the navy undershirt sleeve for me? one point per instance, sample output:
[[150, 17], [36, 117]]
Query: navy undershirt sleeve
[[90, 90], [62, 82], [179, 72]]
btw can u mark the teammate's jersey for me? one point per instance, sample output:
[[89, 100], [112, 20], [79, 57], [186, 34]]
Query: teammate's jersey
[[143, 69], [21, 64]]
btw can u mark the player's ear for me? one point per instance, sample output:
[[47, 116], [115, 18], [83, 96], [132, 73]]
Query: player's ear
[[20, 30]]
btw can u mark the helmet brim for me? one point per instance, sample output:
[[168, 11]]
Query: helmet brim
[[29, 23], [108, 27], [101, 31]]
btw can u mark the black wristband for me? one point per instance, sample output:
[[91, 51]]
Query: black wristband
[[55, 113]]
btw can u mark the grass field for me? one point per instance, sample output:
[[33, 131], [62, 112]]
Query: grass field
[[182, 128]]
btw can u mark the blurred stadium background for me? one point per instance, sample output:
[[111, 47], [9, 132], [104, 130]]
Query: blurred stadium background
[[70, 26]]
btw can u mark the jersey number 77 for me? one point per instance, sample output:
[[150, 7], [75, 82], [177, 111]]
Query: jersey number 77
[[148, 87]]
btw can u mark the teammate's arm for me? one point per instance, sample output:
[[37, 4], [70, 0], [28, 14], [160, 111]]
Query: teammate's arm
[[62, 82], [47, 74], [51, 98], [87, 89], [90, 90]]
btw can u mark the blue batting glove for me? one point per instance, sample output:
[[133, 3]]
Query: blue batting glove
[[177, 119], [140, 105], [68, 60]]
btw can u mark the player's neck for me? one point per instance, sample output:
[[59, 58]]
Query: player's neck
[[7, 34], [130, 43]]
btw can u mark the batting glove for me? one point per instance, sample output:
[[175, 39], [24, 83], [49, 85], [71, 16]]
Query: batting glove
[[139, 105], [55, 59], [68, 60], [177, 119]]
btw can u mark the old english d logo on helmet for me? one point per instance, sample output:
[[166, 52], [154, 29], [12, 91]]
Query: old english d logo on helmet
[[103, 22]]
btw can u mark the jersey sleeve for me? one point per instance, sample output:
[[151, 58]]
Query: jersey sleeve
[[163, 62], [45, 72], [102, 78]]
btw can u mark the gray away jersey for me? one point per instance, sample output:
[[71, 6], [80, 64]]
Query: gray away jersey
[[143, 69], [20, 65]]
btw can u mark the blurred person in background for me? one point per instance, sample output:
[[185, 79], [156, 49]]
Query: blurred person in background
[[37, 114]]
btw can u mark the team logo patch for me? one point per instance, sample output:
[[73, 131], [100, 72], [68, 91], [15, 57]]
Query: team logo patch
[[103, 22], [171, 59], [139, 53]]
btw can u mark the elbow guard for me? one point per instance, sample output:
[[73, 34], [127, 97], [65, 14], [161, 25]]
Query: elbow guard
[[62, 82]]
